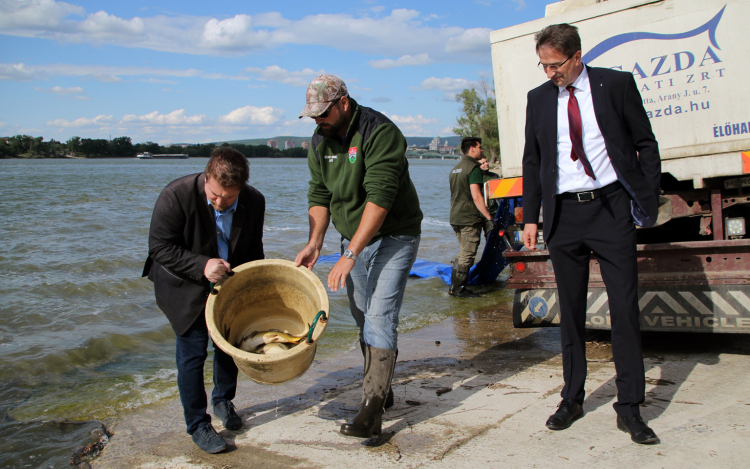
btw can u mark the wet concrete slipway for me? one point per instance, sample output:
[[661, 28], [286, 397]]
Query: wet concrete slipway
[[479, 399]]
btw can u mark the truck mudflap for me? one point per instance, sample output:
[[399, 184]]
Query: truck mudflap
[[698, 286], [715, 308]]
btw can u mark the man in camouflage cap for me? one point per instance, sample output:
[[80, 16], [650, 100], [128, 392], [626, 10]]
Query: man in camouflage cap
[[360, 179]]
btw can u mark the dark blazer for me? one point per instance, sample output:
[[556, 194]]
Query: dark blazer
[[628, 138], [182, 239]]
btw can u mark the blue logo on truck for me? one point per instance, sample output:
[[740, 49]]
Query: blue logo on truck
[[620, 39]]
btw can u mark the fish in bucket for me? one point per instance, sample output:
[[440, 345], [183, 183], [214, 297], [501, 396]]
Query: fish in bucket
[[268, 316]]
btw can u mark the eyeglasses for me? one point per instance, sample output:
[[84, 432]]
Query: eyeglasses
[[554, 67], [325, 114]]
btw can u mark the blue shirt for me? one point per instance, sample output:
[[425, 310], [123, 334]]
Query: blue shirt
[[224, 228]]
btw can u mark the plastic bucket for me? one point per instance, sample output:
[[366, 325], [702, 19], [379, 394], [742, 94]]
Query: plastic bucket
[[269, 294]]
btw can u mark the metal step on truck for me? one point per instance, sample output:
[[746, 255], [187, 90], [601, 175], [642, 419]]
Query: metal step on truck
[[691, 62]]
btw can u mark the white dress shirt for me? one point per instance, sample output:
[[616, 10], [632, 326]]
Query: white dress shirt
[[571, 176]]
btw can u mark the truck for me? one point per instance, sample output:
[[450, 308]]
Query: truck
[[690, 60]]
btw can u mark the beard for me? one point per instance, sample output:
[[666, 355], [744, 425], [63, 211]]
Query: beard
[[334, 129]]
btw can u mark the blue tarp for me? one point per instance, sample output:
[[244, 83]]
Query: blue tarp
[[421, 269], [483, 272]]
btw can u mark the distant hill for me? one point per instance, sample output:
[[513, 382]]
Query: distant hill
[[418, 141]]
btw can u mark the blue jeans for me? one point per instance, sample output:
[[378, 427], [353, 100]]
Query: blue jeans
[[192, 351], [376, 287]]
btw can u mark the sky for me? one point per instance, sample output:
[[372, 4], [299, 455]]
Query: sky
[[205, 71]]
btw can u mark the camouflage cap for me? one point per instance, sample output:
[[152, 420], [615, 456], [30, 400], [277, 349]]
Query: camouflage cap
[[322, 93]]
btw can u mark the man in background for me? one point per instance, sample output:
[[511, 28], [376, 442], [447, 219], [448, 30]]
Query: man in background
[[359, 177], [468, 213], [492, 204], [202, 225], [591, 156]]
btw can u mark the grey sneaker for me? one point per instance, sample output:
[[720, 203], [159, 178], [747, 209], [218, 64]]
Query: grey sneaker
[[208, 440], [225, 411]]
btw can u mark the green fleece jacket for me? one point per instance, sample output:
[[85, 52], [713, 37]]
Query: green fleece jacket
[[370, 166]]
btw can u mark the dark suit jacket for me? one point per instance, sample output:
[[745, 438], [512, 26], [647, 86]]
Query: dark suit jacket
[[628, 138], [182, 239]]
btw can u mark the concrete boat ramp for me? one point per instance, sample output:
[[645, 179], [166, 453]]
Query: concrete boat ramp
[[478, 399]]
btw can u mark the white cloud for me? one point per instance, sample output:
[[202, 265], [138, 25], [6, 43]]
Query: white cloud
[[16, 72], [409, 120], [472, 41], [158, 81], [98, 121], [105, 77], [174, 118], [251, 115], [222, 76], [416, 60], [403, 33], [447, 84], [36, 15], [281, 75], [62, 91], [106, 73], [101, 25], [232, 34]]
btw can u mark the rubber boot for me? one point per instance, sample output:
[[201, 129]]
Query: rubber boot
[[379, 365], [389, 400], [459, 279]]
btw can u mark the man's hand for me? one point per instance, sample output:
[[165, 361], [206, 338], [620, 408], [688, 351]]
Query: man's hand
[[491, 225], [215, 269], [529, 236], [337, 277], [308, 256]]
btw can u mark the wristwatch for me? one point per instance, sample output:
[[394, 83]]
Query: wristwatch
[[350, 255]]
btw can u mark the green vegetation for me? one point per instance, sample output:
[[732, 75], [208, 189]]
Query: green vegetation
[[25, 146], [479, 118]]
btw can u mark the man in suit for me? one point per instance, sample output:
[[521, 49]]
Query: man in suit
[[202, 225], [591, 157]]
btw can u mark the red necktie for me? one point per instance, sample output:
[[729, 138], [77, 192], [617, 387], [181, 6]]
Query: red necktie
[[576, 134]]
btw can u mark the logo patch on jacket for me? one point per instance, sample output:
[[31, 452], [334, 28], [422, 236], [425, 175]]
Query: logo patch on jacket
[[459, 170], [331, 158], [352, 154]]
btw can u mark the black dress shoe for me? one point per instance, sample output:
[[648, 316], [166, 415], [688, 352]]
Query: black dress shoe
[[639, 431], [568, 411]]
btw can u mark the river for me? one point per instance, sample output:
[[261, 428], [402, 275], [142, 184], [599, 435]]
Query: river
[[81, 338]]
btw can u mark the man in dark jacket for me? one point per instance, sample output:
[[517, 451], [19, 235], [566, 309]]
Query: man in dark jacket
[[202, 225], [591, 156], [359, 177], [468, 213]]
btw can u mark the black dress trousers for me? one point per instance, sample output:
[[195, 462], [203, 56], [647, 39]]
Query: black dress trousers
[[603, 226]]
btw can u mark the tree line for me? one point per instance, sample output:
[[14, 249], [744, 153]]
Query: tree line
[[26, 146]]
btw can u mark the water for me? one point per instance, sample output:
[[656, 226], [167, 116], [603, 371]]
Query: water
[[81, 337]]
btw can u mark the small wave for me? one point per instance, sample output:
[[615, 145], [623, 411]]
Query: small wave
[[267, 228], [435, 222]]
